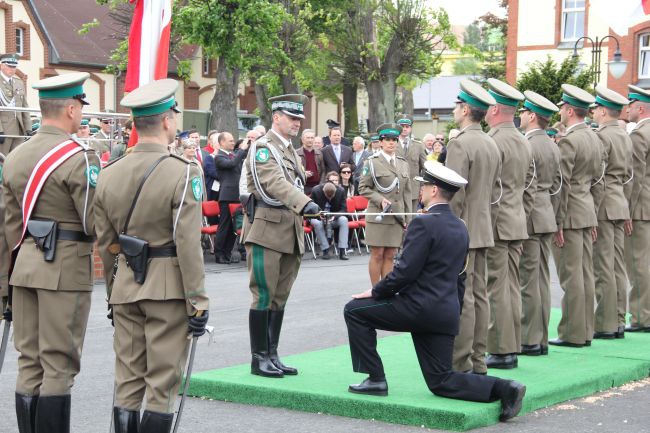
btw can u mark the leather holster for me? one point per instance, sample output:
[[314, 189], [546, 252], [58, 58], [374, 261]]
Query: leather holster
[[45, 236], [136, 252], [248, 206]]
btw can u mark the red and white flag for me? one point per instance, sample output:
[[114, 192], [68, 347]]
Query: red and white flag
[[148, 45], [620, 15]]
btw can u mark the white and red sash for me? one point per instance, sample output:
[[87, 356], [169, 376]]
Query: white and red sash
[[48, 163]]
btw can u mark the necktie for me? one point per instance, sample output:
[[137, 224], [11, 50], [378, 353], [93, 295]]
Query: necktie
[[392, 162], [337, 152]]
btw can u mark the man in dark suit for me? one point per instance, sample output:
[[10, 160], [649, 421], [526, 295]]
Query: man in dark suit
[[229, 166], [331, 123], [330, 198], [422, 295], [336, 153]]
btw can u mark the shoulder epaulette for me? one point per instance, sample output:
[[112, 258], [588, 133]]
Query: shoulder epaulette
[[83, 145], [374, 155], [180, 158], [400, 157], [109, 163], [262, 140]]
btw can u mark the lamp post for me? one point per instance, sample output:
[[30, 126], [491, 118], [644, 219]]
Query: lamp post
[[617, 66]]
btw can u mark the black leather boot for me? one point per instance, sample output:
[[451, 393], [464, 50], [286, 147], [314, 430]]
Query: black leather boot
[[156, 422], [258, 327], [275, 326], [26, 412], [53, 414], [126, 421]]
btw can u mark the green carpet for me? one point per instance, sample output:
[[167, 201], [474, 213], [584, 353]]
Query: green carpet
[[565, 374]]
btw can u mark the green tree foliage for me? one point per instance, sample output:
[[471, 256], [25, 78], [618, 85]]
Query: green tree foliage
[[547, 77], [466, 66], [472, 35]]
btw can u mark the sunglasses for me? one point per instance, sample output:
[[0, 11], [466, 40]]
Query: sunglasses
[[346, 172], [107, 122]]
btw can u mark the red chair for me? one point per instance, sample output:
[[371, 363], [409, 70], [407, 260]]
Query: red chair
[[233, 208], [353, 225], [309, 237], [360, 205], [209, 209]]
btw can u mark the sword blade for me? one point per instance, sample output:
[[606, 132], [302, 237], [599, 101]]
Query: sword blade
[[186, 386], [3, 344]]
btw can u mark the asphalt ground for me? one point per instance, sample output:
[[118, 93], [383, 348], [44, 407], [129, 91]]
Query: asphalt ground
[[313, 320]]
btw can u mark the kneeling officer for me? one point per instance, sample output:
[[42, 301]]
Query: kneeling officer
[[421, 296], [149, 240]]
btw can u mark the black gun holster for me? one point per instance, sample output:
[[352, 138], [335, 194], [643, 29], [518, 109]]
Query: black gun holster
[[136, 252], [248, 206], [45, 236]]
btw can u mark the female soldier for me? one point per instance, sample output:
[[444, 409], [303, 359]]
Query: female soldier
[[385, 183]]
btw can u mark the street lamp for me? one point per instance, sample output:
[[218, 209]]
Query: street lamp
[[617, 66]]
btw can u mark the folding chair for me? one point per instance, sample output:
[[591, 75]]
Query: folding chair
[[360, 205], [309, 237], [209, 209], [353, 225]]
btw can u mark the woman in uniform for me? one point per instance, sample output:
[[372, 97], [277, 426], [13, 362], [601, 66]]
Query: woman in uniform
[[385, 183]]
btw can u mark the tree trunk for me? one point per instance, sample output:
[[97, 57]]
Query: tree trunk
[[351, 114], [407, 101], [224, 102], [289, 86], [261, 96], [381, 101]]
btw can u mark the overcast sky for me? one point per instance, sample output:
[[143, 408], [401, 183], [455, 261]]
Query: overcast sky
[[466, 11]]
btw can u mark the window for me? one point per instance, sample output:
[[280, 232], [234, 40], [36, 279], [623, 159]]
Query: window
[[573, 19], [20, 41], [644, 55], [206, 66]]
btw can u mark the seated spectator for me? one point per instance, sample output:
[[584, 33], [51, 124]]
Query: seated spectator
[[333, 177], [330, 198], [346, 180]]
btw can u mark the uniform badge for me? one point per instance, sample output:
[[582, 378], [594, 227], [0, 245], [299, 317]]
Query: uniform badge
[[197, 188], [365, 170], [92, 173], [262, 155], [0, 173]]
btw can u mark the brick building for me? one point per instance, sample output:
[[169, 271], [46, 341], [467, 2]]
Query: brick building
[[538, 28]]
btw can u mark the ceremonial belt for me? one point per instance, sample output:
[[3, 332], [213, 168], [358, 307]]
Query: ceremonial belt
[[73, 235], [42, 171], [157, 252], [268, 206]]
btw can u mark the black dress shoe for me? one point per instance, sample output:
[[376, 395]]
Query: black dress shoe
[[637, 328], [531, 349], [501, 361], [369, 387], [588, 343], [558, 342], [604, 335], [544, 349], [326, 254], [222, 260], [342, 254], [511, 400], [620, 332]]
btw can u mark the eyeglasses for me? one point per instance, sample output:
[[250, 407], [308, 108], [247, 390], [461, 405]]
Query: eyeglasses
[[107, 122]]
